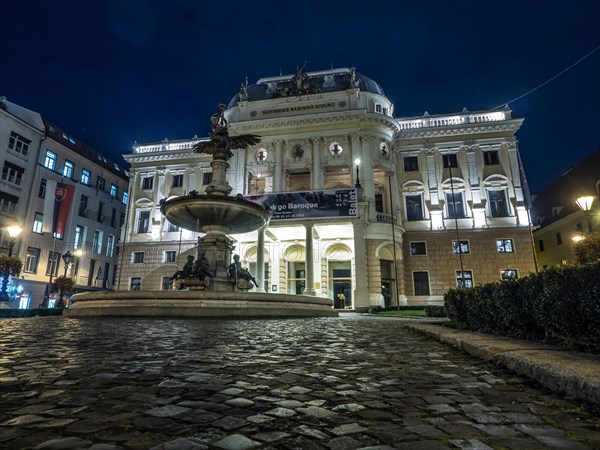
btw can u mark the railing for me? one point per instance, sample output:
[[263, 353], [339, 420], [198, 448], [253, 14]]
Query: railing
[[386, 218], [444, 121]]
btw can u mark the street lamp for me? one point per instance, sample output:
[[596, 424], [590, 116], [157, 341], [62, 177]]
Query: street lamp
[[585, 204], [357, 162], [67, 257], [13, 232]]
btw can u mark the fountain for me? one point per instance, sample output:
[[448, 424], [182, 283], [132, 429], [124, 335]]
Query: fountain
[[209, 285]]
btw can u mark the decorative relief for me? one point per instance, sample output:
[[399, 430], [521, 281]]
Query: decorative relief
[[335, 149], [297, 152]]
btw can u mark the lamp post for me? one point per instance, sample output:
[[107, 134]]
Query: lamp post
[[13, 232], [67, 257], [357, 184], [585, 204]]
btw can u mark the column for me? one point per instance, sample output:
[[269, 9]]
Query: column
[[361, 299], [278, 169], [316, 178], [260, 260], [366, 167], [309, 263]]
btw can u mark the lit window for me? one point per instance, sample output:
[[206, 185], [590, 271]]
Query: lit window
[[138, 257], [509, 274], [32, 258], [143, 222], [86, 177], [418, 248], [79, 230], [135, 284], [114, 190], [504, 245], [125, 199], [421, 283], [97, 242], [68, 169], [52, 266], [464, 279], [50, 160], [18, 143], [460, 248], [110, 243], [38, 223]]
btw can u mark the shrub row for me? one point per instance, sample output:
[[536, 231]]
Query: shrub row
[[19, 313], [559, 304]]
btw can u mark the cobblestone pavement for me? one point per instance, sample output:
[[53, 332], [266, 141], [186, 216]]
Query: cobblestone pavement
[[334, 383]]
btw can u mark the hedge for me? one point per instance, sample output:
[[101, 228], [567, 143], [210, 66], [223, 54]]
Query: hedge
[[20, 313], [560, 304]]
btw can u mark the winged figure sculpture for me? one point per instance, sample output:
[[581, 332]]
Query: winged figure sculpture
[[220, 143]]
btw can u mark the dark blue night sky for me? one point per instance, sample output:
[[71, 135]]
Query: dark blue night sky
[[115, 72]]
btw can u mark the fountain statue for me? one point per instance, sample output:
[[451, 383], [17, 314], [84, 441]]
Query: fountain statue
[[217, 214], [209, 284]]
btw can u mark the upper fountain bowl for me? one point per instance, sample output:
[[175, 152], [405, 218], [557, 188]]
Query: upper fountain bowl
[[215, 213]]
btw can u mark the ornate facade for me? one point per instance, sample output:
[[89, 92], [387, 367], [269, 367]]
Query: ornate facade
[[439, 198]]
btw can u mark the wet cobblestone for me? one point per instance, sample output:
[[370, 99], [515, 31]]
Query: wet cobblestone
[[334, 383]]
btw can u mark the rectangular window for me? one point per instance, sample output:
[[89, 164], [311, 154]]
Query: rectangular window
[[68, 169], [135, 284], [177, 181], [38, 223], [110, 244], [541, 244], [32, 258], [100, 182], [498, 203], [418, 248], [414, 207], [138, 257], [114, 190], [509, 274], [143, 222], [83, 206], [455, 206], [411, 164], [100, 214], [147, 183], [86, 177], [460, 248], [18, 143], [172, 228], [125, 199], [122, 219], [79, 231], [42, 190], [97, 242], [421, 283], [465, 279], [491, 158], [450, 160], [170, 256], [53, 260], [50, 160], [113, 218], [12, 173], [504, 245], [558, 238], [206, 178], [167, 284]]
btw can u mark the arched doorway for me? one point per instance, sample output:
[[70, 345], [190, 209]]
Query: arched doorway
[[339, 273]]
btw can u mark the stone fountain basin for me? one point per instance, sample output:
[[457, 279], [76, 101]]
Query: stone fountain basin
[[202, 213]]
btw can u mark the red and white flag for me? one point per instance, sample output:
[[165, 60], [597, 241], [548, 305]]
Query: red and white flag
[[57, 204]]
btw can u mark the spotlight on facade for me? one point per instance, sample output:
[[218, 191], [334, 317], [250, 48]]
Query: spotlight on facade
[[577, 238], [13, 232]]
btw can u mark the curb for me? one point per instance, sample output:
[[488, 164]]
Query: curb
[[567, 372]]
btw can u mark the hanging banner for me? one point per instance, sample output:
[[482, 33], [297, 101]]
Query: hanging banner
[[57, 205], [327, 203]]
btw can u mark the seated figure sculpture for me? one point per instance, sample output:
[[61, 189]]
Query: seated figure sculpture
[[186, 271], [237, 272]]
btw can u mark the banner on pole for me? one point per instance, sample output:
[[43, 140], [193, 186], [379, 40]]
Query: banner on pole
[[57, 204]]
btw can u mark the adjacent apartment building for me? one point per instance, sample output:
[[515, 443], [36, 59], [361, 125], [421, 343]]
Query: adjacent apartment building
[[394, 210], [39, 162]]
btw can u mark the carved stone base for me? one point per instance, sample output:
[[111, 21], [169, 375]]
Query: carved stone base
[[193, 283], [244, 285]]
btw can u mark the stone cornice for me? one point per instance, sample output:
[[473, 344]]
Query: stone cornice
[[511, 126]]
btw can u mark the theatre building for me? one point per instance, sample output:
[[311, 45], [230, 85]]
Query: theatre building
[[367, 208]]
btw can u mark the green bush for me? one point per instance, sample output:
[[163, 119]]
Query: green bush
[[559, 304], [435, 311]]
